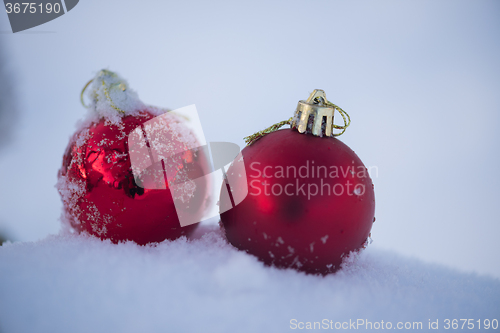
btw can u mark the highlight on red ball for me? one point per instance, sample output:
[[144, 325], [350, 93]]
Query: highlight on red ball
[[154, 168]]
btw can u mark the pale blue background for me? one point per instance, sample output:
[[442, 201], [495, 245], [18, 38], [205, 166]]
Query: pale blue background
[[420, 79]]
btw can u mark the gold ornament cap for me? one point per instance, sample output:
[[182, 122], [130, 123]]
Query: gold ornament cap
[[314, 115]]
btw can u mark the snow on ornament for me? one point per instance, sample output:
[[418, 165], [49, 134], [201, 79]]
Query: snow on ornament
[[100, 194], [310, 198]]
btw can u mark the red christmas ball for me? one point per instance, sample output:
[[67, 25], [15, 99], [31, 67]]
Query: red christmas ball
[[310, 202], [100, 194]]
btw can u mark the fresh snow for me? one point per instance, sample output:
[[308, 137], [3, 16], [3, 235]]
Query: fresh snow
[[77, 283], [109, 96]]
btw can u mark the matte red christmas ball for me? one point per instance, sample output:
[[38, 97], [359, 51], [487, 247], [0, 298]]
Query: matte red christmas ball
[[310, 199], [100, 193]]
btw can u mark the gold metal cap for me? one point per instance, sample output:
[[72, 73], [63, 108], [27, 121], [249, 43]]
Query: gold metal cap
[[314, 115]]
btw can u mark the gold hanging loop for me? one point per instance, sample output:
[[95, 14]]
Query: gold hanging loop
[[256, 136], [121, 86], [106, 92], [83, 92]]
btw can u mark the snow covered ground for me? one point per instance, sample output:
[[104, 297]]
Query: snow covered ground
[[77, 283]]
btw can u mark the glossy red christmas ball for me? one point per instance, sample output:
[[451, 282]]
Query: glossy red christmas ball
[[310, 202], [102, 195]]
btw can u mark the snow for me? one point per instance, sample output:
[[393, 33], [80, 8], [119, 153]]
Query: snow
[[111, 97], [78, 283]]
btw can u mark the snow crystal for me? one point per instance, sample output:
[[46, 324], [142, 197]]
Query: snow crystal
[[71, 191], [111, 97], [311, 247], [78, 283], [324, 239]]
